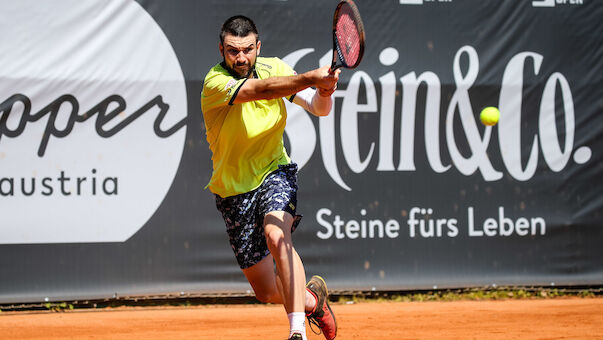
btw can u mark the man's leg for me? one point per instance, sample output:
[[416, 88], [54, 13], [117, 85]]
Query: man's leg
[[263, 280], [270, 287], [267, 285], [291, 274], [277, 199]]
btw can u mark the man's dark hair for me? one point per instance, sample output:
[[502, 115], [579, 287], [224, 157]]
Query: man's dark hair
[[239, 26]]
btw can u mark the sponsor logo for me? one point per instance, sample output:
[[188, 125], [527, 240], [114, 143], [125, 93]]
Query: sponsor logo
[[469, 151], [535, 3], [421, 2], [552, 3], [92, 120], [230, 84]]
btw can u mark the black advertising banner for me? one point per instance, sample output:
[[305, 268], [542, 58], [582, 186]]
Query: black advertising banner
[[103, 157]]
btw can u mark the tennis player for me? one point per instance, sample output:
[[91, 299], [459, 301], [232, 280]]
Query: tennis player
[[253, 179]]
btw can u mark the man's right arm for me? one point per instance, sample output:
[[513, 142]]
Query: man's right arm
[[278, 87]]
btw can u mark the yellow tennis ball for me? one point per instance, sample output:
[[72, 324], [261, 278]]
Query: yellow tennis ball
[[489, 115]]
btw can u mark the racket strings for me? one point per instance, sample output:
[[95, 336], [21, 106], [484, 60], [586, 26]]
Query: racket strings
[[348, 38]]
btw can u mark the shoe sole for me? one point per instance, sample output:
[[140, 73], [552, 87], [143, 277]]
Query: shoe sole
[[323, 282]]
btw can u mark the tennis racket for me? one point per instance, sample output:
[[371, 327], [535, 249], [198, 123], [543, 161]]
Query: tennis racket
[[348, 36]]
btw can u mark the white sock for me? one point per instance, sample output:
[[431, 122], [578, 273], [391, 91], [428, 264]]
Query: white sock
[[297, 323]]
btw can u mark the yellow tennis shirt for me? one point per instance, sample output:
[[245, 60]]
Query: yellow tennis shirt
[[246, 140]]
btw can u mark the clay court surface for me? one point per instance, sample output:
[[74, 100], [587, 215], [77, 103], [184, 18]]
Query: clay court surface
[[560, 318]]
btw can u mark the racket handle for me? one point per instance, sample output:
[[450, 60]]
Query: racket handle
[[333, 68]]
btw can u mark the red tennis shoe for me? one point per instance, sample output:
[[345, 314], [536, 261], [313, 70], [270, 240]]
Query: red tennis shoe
[[322, 315]]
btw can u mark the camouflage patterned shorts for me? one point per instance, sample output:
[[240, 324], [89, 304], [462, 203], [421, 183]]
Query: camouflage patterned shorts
[[244, 213]]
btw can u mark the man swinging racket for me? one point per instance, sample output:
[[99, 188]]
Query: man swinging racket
[[253, 179]]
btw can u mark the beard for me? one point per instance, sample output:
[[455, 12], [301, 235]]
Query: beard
[[241, 70]]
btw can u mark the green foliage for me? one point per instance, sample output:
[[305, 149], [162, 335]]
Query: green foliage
[[182, 300], [467, 294], [58, 307]]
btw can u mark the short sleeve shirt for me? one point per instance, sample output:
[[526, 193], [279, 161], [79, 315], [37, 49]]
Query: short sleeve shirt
[[246, 139]]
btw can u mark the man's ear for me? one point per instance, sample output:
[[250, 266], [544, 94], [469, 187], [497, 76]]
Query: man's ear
[[221, 48], [259, 46]]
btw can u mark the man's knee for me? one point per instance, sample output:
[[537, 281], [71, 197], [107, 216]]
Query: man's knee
[[266, 296], [276, 225], [275, 237]]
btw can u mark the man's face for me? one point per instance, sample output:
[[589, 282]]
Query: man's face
[[240, 53]]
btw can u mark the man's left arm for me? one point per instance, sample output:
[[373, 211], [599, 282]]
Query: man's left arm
[[318, 102]]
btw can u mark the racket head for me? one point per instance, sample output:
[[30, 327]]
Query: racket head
[[348, 36]]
